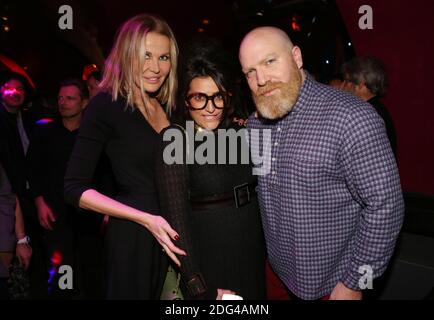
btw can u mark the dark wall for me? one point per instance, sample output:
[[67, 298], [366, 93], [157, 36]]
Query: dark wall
[[402, 38]]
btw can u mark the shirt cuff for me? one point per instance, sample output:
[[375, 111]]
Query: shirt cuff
[[351, 280]]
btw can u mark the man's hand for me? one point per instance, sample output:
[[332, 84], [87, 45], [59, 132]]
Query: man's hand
[[341, 292], [45, 214], [24, 254], [221, 292]]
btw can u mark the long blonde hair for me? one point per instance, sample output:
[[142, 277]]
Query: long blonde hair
[[129, 51]]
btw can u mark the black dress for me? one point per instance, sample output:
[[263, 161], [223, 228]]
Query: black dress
[[135, 263], [224, 244]]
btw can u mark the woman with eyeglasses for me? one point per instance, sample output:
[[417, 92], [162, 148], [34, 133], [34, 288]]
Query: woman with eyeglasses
[[209, 197]]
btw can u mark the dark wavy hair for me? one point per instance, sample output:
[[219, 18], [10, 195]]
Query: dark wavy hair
[[201, 57]]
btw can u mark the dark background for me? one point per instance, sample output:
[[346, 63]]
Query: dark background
[[327, 32]]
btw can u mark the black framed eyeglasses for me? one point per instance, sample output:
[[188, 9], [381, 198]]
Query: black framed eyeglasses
[[199, 100]]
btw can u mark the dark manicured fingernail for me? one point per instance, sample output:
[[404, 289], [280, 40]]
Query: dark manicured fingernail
[[177, 237]]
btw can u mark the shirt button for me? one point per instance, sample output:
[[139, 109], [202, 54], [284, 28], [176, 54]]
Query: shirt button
[[276, 144], [274, 159], [279, 129], [274, 172]]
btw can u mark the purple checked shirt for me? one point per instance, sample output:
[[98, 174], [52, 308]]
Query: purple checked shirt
[[332, 202]]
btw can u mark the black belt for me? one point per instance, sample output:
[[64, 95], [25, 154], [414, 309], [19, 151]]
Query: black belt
[[240, 196]]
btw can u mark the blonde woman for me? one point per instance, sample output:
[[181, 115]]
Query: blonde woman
[[124, 120]]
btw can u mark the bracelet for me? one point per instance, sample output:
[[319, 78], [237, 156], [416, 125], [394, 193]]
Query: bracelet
[[25, 240]]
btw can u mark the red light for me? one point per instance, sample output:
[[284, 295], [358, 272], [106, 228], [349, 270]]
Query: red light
[[13, 66], [87, 70], [294, 24], [56, 258], [44, 121]]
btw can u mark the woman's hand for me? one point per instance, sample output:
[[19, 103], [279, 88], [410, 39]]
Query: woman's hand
[[157, 225], [164, 234]]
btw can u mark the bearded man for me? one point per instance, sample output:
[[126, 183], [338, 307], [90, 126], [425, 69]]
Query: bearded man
[[332, 204]]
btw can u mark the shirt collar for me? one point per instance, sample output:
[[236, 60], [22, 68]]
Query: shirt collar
[[303, 98]]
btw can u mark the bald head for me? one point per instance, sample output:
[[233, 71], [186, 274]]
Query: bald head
[[264, 41], [265, 34], [272, 66]]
